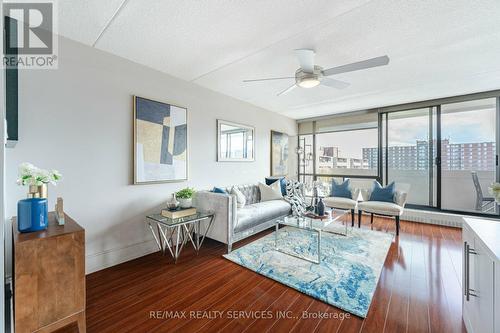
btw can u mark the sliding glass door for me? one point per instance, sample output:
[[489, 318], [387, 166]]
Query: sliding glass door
[[468, 155], [409, 152], [444, 156]]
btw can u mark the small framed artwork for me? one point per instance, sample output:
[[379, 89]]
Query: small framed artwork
[[279, 153], [160, 142]]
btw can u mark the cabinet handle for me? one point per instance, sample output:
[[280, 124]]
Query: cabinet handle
[[468, 291], [466, 271]]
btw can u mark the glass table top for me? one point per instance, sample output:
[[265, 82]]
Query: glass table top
[[181, 220], [310, 223]]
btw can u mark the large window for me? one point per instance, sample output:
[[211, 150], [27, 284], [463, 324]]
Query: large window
[[444, 153], [339, 148], [347, 153]]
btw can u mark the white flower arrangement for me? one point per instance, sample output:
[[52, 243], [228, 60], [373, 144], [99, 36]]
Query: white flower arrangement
[[31, 175], [494, 190]]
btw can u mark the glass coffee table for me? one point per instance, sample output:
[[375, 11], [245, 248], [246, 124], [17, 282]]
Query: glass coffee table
[[315, 225]]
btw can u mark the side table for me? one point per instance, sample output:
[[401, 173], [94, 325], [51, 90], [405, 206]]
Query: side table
[[172, 234]]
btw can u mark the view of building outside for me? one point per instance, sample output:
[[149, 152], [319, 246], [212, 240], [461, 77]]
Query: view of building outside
[[479, 156], [330, 159]]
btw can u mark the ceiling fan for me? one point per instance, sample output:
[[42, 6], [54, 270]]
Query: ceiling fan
[[310, 75]]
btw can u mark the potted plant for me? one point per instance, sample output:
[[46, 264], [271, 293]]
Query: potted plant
[[185, 197]]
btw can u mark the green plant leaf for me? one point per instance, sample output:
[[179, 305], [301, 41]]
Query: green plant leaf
[[185, 193]]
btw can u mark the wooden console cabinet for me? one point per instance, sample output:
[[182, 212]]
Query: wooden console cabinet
[[49, 277]]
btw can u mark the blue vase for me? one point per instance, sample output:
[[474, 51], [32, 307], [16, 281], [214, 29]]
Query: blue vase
[[32, 215], [321, 207]]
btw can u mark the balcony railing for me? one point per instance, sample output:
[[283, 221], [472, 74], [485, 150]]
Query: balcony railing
[[457, 188]]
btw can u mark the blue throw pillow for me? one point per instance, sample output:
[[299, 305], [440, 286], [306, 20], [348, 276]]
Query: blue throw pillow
[[270, 180], [219, 190], [341, 190], [385, 194]]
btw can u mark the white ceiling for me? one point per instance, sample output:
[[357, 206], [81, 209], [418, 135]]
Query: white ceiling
[[438, 48]]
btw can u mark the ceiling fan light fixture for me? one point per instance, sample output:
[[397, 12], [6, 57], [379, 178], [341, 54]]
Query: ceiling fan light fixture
[[309, 75], [308, 82]]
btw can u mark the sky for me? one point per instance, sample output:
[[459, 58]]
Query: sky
[[350, 143], [463, 127]]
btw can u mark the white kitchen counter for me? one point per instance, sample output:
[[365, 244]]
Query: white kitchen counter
[[489, 233]]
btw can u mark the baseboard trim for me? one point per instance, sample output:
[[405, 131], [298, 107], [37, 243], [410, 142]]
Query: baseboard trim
[[429, 217], [97, 261], [423, 216]]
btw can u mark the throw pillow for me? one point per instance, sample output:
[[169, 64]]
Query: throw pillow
[[272, 192], [219, 190], [342, 190], [240, 197], [271, 180], [385, 194]]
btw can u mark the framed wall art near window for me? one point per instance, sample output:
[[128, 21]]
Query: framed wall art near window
[[279, 153], [160, 142]]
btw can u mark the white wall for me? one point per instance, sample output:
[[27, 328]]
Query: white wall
[[78, 119]]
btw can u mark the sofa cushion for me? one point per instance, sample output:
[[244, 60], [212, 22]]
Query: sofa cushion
[[219, 190], [240, 197], [270, 180], [255, 214], [250, 191], [338, 202], [380, 207], [270, 192]]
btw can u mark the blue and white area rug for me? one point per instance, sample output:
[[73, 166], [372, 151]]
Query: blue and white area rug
[[346, 277]]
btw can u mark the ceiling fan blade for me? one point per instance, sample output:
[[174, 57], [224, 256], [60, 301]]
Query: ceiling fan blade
[[287, 90], [326, 81], [270, 79], [306, 59], [356, 66]]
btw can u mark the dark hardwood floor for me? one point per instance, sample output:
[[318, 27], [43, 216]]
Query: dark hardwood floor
[[419, 291]]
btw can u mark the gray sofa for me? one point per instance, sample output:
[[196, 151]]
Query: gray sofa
[[233, 224]]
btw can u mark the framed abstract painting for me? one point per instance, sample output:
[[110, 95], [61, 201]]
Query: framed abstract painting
[[160, 142], [279, 154]]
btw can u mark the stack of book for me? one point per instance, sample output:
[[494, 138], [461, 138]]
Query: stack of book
[[178, 213]]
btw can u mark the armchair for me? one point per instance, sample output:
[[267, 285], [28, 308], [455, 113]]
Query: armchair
[[392, 209], [344, 203]]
